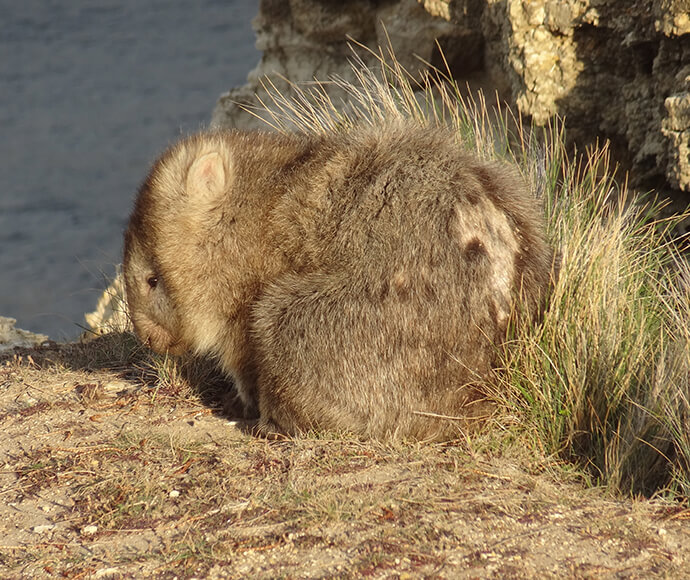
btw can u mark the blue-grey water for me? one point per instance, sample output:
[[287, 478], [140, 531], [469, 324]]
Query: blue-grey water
[[90, 92]]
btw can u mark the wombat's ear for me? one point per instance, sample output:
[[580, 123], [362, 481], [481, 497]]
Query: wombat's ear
[[207, 176]]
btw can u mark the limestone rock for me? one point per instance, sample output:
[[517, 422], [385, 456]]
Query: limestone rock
[[11, 336], [614, 69], [672, 17], [303, 40], [111, 311], [676, 128], [609, 68]]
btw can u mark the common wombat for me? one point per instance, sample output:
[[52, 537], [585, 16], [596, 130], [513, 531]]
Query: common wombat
[[356, 281]]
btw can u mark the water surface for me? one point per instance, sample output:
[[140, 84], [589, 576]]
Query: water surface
[[90, 93]]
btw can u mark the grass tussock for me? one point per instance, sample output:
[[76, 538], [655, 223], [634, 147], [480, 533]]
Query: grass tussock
[[604, 379]]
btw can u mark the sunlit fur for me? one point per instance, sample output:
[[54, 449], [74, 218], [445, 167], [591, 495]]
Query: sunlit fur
[[359, 280]]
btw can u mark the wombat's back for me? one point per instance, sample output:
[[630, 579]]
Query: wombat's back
[[410, 254]]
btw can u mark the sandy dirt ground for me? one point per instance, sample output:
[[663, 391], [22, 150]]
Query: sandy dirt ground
[[108, 473]]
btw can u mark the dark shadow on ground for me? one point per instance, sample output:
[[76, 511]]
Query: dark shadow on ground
[[122, 355]]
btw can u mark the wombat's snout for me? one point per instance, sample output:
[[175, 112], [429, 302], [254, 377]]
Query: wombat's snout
[[157, 338]]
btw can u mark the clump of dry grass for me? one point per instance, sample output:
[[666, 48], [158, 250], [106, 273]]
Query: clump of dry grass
[[605, 378]]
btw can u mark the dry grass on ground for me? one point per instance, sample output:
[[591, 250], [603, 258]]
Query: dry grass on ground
[[107, 472]]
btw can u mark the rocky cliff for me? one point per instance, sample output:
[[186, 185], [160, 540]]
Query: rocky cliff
[[616, 69]]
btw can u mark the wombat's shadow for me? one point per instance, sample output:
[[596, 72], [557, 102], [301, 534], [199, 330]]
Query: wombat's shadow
[[123, 355], [202, 376]]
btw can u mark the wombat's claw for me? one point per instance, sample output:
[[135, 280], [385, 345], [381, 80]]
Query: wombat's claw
[[268, 430]]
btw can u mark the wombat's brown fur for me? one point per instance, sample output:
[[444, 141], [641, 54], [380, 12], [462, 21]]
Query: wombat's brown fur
[[358, 281]]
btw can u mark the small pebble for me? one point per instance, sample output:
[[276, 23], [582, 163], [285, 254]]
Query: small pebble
[[116, 386], [107, 573], [42, 529]]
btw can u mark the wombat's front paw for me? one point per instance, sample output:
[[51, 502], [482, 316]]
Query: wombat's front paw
[[233, 406]]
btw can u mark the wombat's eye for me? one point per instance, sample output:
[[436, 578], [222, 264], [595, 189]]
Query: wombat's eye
[[152, 281]]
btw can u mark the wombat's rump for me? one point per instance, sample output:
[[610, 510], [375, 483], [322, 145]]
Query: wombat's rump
[[358, 281]]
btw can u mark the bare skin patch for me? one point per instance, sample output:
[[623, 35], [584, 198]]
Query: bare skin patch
[[482, 229]]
